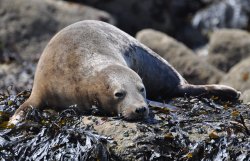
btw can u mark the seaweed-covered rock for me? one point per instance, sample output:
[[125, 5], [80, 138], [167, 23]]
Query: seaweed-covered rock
[[230, 46], [197, 129], [190, 66], [27, 25], [238, 76], [48, 135]]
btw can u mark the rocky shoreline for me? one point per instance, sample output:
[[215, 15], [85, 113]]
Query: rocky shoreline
[[201, 129]]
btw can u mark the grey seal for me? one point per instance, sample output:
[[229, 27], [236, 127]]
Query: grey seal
[[92, 63]]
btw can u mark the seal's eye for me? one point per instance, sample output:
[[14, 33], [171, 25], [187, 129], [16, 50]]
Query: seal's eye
[[120, 94], [142, 90]]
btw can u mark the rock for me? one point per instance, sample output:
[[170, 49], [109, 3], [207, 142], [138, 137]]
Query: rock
[[189, 65], [140, 140], [219, 60], [238, 76], [227, 47], [223, 14], [27, 25], [125, 133], [15, 77], [202, 51], [245, 96]]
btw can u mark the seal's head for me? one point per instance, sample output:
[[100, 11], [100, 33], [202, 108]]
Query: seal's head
[[119, 90]]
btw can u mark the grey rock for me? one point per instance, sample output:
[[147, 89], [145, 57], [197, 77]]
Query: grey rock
[[15, 77], [228, 47], [245, 96], [238, 76]]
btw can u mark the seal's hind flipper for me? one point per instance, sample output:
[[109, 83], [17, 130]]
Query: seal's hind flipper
[[222, 91]]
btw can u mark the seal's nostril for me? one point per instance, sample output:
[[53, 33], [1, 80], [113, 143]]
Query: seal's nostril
[[140, 110]]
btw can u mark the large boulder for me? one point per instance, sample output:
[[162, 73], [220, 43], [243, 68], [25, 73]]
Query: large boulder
[[190, 66], [27, 25], [227, 47], [238, 76]]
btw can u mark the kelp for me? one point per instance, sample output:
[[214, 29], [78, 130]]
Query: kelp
[[48, 136]]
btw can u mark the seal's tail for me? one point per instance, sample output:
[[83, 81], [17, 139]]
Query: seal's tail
[[221, 91]]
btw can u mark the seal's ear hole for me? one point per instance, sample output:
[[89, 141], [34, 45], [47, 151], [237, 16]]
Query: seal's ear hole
[[120, 94]]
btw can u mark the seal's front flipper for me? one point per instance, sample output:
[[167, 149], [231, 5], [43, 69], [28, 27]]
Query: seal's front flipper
[[20, 113], [221, 91], [16, 118]]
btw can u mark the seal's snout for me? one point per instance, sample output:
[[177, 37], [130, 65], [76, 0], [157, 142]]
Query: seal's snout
[[135, 112], [141, 110]]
